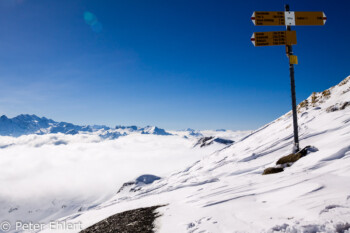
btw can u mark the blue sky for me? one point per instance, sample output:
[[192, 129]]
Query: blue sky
[[174, 64]]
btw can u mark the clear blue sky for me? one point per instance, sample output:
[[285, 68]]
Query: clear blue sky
[[174, 64]]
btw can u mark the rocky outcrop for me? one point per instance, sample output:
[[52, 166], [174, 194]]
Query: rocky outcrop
[[288, 160], [131, 221], [206, 141], [338, 106], [272, 170], [292, 158]]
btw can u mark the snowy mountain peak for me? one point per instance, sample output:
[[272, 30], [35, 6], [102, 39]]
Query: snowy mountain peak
[[31, 124], [131, 128], [154, 130]]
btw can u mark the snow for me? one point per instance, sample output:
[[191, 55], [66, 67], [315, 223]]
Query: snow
[[49, 176], [224, 191]]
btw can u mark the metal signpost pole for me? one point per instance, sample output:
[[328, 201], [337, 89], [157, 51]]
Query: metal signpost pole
[[292, 85], [288, 38]]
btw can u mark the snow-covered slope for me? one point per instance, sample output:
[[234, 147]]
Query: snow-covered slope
[[48, 176], [225, 191]]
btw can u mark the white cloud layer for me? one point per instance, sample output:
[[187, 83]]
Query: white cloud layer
[[39, 170]]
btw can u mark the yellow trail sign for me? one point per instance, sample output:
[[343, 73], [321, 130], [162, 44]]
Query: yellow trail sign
[[274, 38], [288, 18], [310, 18], [268, 18]]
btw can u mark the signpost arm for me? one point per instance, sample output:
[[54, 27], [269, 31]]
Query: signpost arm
[[292, 84]]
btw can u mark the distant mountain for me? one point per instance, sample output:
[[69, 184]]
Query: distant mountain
[[25, 124], [130, 128], [221, 130], [154, 130], [31, 124], [192, 132], [143, 130], [146, 130]]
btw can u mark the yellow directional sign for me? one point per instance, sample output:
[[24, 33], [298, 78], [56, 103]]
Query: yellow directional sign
[[268, 18], [288, 18], [310, 18], [274, 38]]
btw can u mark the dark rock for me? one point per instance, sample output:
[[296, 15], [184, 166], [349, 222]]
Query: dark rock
[[126, 184], [132, 221], [223, 141], [12, 210], [288, 160], [272, 170], [293, 157], [346, 104], [206, 141], [337, 107], [332, 108], [342, 227]]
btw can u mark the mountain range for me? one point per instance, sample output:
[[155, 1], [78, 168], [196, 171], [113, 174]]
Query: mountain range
[[26, 124]]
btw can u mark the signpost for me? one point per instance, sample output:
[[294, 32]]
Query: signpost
[[292, 87], [288, 38]]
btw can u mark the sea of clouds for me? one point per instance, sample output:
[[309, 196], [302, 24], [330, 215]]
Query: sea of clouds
[[37, 170]]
